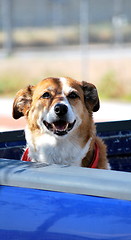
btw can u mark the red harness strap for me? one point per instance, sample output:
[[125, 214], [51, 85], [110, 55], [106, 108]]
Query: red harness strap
[[96, 156], [93, 164], [25, 156]]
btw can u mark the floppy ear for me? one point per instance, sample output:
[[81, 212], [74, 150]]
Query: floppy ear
[[91, 96], [22, 102]]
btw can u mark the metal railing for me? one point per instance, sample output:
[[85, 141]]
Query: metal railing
[[65, 22]]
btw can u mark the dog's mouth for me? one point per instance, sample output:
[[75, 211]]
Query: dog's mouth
[[59, 127]]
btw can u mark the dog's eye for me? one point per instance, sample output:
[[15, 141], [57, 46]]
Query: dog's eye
[[73, 95], [46, 95]]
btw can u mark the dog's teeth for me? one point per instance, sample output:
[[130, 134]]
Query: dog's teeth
[[66, 126], [54, 128], [60, 128]]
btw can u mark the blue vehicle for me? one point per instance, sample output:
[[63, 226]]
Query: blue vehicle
[[39, 202]]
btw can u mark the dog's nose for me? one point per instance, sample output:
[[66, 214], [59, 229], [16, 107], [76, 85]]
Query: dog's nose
[[60, 109]]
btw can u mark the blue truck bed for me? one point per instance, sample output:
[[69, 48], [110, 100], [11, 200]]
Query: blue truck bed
[[58, 202]]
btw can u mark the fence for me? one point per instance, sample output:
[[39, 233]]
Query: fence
[[42, 23]]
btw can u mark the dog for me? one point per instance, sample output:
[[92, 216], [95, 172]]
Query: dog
[[60, 127]]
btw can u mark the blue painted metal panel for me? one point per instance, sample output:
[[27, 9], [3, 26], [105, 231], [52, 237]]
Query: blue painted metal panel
[[41, 215]]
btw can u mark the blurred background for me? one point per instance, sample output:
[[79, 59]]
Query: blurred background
[[87, 40]]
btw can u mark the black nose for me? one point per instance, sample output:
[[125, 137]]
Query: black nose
[[60, 109]]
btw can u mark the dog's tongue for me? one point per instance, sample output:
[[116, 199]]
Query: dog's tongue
[[60, 125]]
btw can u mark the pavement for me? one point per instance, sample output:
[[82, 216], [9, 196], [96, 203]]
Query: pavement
[[109, 111]]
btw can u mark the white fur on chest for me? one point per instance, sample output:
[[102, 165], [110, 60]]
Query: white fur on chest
[[51, 150]]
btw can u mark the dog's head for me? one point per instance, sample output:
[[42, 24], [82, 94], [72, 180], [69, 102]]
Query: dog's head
[[56, 105]]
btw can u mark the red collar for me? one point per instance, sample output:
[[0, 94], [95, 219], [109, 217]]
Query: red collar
[[93, 164], [25, 156]]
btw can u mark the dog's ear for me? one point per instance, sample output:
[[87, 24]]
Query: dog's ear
[[91, 96], [22, 102]]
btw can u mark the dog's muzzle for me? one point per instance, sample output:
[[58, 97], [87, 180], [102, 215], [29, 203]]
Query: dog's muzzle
[[60, 126]]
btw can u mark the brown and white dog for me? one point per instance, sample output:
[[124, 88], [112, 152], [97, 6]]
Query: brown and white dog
[[60, 128]]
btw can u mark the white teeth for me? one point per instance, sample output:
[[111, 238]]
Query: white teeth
[[60, 129], [66, 126]]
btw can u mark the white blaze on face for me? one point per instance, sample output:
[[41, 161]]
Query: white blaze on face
[[66, 89], [65, 86]]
